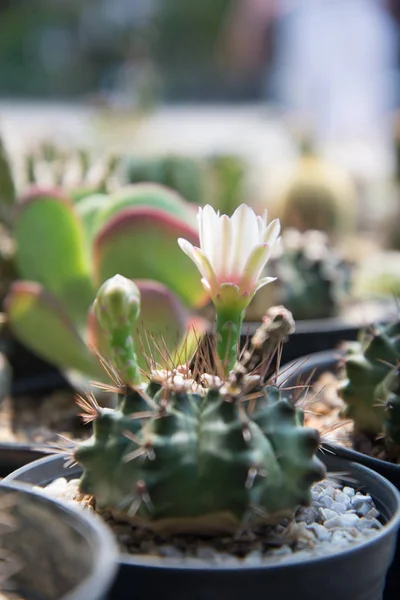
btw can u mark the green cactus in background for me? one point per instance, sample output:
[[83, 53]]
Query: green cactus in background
[[181, 173], [74, 170], [227, 174], [218, 179], [314, 194], [195, 450], [314, 281], [66, 249], [371, 389]]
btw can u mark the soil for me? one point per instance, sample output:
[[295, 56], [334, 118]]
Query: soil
[[325, 411]]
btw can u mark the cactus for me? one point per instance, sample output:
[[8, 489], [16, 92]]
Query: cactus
[[180, 173], [195, 450], [314, 194], [314, 281], [218, 178], [75, 170], [227, 175], [371, 389], [65, 250]]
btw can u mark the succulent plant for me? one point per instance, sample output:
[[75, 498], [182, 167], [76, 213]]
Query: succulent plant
[[218, 178], [371, 389], [227, 175], [314, 280], [66, 249], [199, 447], [314, 194], [181, 173], [75, 170]]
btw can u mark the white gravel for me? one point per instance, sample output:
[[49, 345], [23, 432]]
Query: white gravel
[[338, 517]]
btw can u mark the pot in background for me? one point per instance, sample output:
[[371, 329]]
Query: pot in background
[[61, 553], [316, 364]]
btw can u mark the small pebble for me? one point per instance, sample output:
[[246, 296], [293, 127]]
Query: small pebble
[[359, 500], [320, 532], [254, 558], [339, 507], [342, 498], [206, 553], [170, 552], [365, 524], [327, 513]]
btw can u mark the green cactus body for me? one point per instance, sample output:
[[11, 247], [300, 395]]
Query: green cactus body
[[313, 280], [180, 173], [365, 390], [197, 457], [388, 392], [189, 454]]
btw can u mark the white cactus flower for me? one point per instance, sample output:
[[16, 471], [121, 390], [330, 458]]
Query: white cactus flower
[[233, 253]]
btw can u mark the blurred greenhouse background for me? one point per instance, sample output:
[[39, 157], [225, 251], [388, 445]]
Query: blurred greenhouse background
[[250, 78], [288, 105]]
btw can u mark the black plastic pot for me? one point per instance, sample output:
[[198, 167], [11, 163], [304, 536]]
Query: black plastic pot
[[319, 335], [355, 574], [31, 374], [311, 336], [299, 371], [60, 553], [14, 455]]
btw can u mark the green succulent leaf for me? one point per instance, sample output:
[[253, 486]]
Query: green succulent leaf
[[7, 188], [39, 321], [88, 209], [51, 250], [141, 243], [149, 195]]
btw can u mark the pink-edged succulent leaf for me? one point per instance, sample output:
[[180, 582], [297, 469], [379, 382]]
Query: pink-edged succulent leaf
[[141, 243], [38, 321], [51, 249], [88, 210], [151, 195], [159, 329]]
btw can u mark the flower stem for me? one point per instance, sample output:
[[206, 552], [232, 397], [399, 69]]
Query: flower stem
[[123, 355], [229, 325]]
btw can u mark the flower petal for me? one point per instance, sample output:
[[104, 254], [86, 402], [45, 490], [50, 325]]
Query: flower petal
[[272, 232], [199, 259], [263, 281], [207, 219], [225, 248], [255, 264]]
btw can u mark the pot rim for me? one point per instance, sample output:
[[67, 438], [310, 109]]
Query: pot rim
[[103, 544], [389, 527]]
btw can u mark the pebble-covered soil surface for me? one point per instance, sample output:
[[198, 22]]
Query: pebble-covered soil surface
[[339, 516]]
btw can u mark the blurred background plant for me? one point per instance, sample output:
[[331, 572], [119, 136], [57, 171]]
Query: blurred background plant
[[65, 249], [223, 101]]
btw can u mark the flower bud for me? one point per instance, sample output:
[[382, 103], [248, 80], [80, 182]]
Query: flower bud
[[117, 303]]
